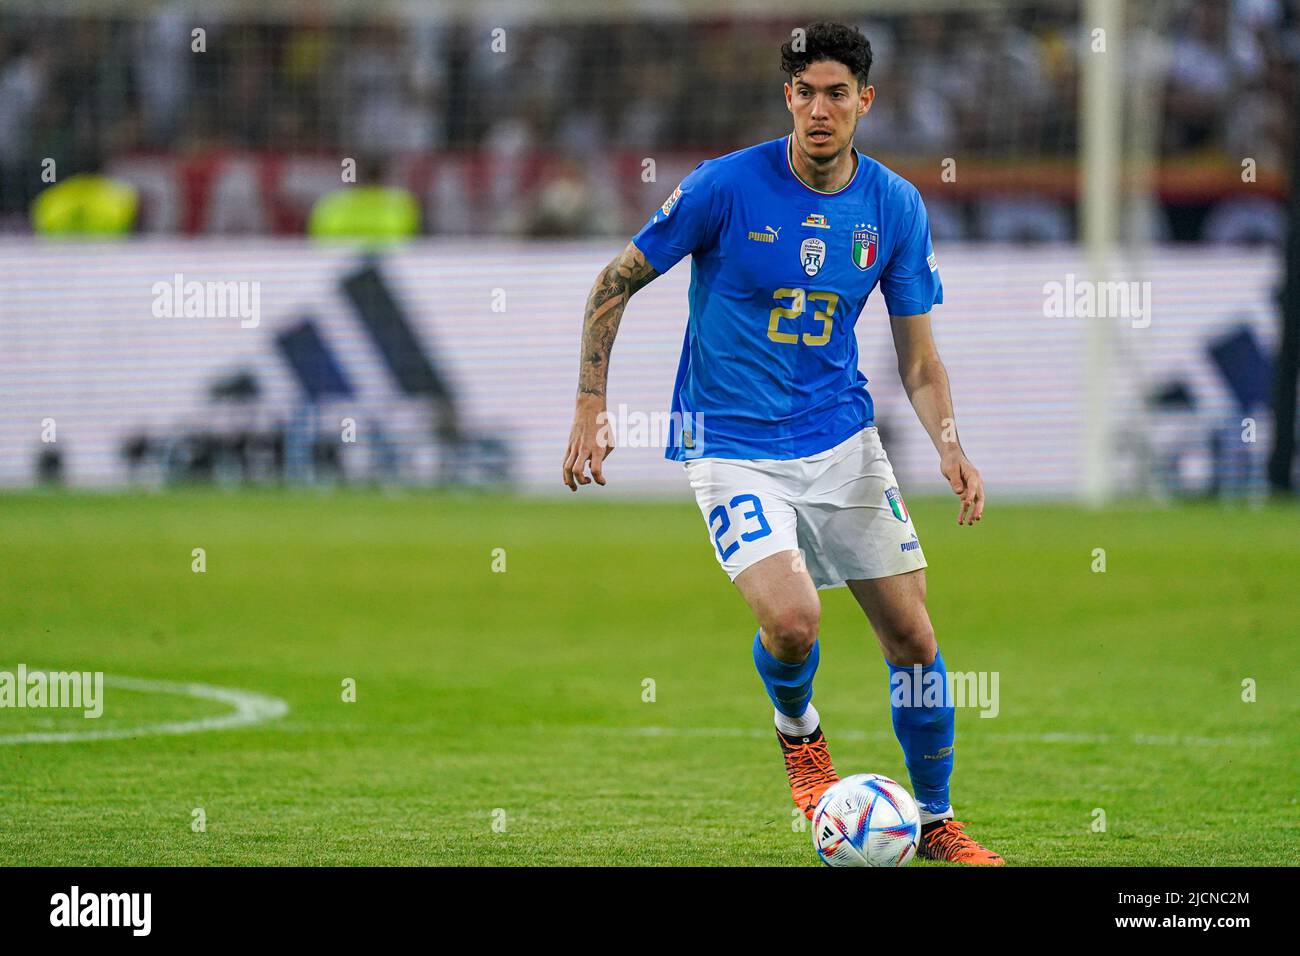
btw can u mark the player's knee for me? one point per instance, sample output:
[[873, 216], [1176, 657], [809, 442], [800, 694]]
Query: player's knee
[[914, 645], [794, 631]]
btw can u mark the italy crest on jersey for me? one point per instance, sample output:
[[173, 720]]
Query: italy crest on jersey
[[866, 242]]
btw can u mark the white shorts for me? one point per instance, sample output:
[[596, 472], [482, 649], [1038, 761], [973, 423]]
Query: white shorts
[[841, 508]]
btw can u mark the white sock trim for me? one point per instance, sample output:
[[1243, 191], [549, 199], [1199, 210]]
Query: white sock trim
[[798, 726], [927, 817]]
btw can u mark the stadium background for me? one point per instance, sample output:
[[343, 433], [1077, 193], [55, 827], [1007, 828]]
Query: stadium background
[[523, 135], [531, 140]]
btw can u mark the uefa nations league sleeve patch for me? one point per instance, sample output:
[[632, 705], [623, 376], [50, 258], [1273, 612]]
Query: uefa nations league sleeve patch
[[672, 201]]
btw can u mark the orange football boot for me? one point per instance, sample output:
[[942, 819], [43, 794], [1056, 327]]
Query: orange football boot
[[808, 765], [947, 841]]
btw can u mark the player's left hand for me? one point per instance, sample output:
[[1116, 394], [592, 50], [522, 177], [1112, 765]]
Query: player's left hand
[[967, 484]]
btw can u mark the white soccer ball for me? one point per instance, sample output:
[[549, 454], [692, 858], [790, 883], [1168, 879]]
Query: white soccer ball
[[866, 820]]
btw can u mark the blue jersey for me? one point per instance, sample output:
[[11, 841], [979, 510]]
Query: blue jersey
[[779, 274]]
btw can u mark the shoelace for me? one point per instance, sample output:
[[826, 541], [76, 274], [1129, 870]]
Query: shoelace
[[948, 838], [809, 760]]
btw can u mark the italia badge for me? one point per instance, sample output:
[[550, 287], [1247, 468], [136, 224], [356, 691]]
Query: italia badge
[[896, 503], [811, 255], [866, 243]]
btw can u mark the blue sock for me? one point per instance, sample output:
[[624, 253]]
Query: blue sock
[[789, 685], [925, 724]]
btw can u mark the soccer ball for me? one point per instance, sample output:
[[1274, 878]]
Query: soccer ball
[[866, 820]]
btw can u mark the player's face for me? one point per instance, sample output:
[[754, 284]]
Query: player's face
[[826, 103]]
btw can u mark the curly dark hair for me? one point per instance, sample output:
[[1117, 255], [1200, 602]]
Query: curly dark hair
[[828, 41]]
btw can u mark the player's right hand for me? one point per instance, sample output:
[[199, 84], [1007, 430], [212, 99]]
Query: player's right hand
[[966, 484], [591, 440]]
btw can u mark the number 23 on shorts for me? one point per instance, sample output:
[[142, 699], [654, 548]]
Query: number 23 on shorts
[[759, 529]]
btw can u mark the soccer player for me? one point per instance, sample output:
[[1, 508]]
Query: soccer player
[[772, 419]]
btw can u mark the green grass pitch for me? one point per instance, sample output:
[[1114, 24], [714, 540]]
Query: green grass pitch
[[499, 716]]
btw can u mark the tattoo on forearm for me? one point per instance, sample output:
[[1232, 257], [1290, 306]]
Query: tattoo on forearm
[[616, 284]]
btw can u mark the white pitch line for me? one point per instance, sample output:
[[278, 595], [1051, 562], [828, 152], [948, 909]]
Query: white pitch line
[[249, 708], [1062, 737]]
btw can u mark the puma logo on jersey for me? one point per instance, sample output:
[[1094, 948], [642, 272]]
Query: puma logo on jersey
[[770, 235]]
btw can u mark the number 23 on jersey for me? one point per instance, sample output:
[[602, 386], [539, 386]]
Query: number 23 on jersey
[[799, 301]]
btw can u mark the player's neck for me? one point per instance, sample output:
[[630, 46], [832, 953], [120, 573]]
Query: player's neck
[[826, 177]]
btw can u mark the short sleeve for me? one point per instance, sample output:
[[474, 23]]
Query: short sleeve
[[686, 223], [910, 283]]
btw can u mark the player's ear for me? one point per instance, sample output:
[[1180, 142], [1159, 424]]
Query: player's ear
[[788, 93], [865, 98]]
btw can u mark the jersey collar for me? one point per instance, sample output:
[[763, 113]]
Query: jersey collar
[[789, 164]]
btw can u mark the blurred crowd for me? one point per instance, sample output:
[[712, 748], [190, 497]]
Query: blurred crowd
[[83, 89]]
